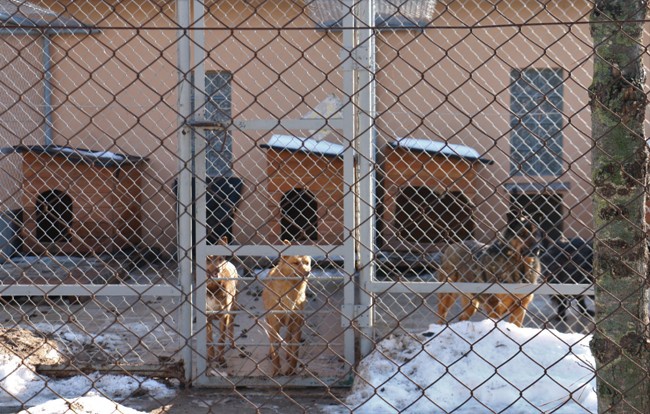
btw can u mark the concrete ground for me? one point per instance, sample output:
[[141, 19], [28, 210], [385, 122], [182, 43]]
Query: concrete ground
[[204, 401], [144, 330]]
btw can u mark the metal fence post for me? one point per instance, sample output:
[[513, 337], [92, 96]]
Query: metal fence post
[[184, 187]]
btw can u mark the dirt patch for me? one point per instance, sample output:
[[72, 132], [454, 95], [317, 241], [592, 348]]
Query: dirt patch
[[30, 347]]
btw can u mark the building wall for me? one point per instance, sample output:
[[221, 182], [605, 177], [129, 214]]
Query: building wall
[[117, 90], [21, 108]]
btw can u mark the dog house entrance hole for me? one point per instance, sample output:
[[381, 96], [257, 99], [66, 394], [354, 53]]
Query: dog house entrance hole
[[423, 216], [299, 221], [53, 216]]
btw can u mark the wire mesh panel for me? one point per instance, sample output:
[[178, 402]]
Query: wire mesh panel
[[89, 280], [391, 201]]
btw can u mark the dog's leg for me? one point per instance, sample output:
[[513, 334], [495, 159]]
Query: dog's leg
[[445, 302], [496, 306], [470, 306], [224, 323], [294, 336], [231, 329], [518, 309], [274, 325], [230, 323], [211, 352]]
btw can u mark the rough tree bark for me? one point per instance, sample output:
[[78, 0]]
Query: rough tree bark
[[619, 172]]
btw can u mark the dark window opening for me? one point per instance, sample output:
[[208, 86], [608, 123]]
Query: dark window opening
[[423, 216], [299, 221], [53, 216]]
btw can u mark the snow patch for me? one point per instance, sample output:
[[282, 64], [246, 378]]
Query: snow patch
[[308, 145], [476, 367], [437, 147]]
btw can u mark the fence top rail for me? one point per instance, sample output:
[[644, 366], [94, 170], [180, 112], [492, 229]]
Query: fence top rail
[[488, 288]]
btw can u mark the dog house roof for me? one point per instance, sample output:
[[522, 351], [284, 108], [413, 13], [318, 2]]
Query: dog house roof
[[96, 158], [437, 147], [306, 145], [25, 14]]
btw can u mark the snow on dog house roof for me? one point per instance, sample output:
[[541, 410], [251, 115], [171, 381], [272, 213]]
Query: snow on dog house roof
[[23, 14], [82, 155], [439, 148], [306, 145]]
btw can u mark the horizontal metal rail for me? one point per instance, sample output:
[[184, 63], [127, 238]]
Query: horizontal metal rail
[[464, 287], [274, 250], [90, 290]]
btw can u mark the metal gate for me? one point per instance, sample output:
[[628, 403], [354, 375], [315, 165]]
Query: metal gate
[[332, 316]]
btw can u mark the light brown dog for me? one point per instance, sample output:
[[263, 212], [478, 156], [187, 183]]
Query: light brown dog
[[284, 297], [501, 262], [220, 302]]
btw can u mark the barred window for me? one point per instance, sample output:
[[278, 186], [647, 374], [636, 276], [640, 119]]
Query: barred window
[[536, 122], [406, 14], [219, 108]]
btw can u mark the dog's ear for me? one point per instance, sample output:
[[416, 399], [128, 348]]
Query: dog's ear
[[286, 243], [210, 261], [223, 241]]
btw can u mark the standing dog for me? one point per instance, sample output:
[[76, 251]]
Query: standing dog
[[220, 302], [284, 297], [510, 260]]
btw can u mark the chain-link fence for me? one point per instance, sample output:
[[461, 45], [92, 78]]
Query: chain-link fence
[[172, 170]]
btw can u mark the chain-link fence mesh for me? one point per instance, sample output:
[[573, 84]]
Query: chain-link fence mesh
[[158, 155]]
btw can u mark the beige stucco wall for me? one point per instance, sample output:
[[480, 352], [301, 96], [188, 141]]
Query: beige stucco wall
[[117, 90], [21, 108], [463, 95]]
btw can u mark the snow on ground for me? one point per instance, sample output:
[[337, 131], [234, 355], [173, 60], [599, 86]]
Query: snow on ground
[[475, 367], [20, 383], [85, 394], [81, 405]]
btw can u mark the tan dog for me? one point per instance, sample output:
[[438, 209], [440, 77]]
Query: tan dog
[[222, 288], [500, 262], [284, 297]]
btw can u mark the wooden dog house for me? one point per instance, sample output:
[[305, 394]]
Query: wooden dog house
[[306, 184], [77, 201], [428, 192]]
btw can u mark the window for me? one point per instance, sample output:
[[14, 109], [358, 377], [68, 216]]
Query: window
[[329, 14], [218, 87], [536, 137], [218, 108]]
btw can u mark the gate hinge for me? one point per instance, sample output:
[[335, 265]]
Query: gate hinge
[[356, 315]]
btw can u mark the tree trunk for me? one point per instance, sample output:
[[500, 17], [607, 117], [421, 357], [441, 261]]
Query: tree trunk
[[619, 172]]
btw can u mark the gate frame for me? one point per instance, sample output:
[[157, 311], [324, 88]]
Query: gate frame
[[192, 168]]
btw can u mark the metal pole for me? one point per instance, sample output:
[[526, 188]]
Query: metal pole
[[365, 58], [349, 180], [47, 89], [199, 146], [184, 186]]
